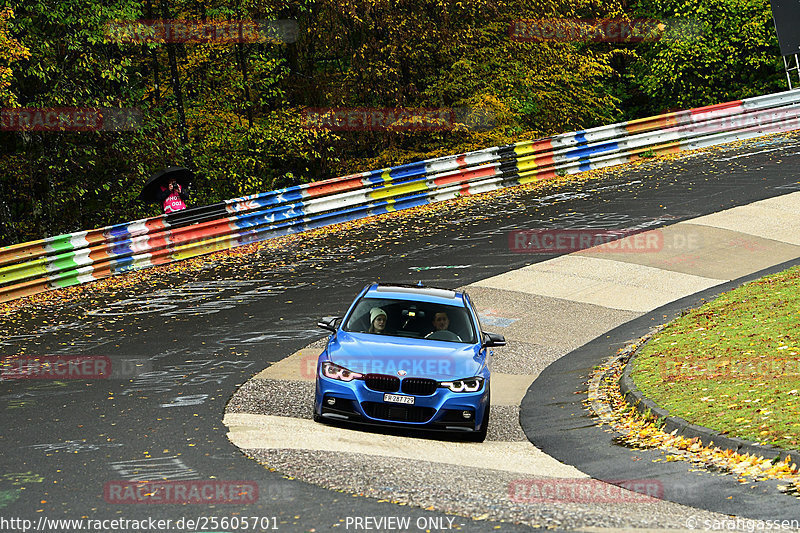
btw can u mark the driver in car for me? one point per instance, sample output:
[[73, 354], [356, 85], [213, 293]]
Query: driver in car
[[441, 322]]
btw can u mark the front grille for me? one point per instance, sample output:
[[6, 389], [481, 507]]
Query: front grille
[[398, 413], [419, 386], [382, 382]]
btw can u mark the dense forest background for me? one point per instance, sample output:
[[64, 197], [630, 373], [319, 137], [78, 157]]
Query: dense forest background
[[237, 118]]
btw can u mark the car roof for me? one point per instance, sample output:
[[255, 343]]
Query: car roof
[[415, 292]]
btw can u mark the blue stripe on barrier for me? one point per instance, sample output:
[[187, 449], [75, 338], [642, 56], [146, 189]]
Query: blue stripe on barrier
[[585, 153], [269, 216], [291, 196], [123, 264], [247, 237], [121, 248], [262, 200], [374, 177], [295, 193], [119, 230], [414, 200], [409, 170], [321, 220]]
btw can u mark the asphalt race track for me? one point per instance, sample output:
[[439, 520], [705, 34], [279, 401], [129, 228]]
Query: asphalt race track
[[184, 343]]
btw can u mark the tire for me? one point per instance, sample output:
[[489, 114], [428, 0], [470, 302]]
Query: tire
[[480, 436], [314, 415]]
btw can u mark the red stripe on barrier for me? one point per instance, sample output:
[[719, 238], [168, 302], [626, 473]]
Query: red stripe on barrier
[[543, 145], [21, 252], [95, 236], [544, 160], [545, 175], [194, 233], [331, 186], [717, 107], [465, 175], [158, 240], [99, 255], [155, 224], [102, 272], [162, 257], [21, 290]]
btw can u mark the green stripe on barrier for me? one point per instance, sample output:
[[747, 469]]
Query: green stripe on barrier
[[61, 243]]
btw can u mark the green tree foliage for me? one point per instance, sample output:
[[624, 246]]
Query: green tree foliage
[[11, 51], [712, 51], [56, 181], [240, 105]]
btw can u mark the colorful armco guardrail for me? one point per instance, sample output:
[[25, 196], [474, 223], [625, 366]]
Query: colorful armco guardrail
[[84, 256]]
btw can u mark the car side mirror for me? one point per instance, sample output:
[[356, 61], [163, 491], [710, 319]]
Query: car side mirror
[[331, 323], [493, 339]]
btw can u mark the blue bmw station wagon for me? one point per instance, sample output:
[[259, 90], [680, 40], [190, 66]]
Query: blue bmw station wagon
[[409, 356]]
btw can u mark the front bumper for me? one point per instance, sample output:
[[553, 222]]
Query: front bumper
[[443, 410]]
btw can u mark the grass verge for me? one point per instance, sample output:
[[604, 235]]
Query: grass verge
[[732, 365]]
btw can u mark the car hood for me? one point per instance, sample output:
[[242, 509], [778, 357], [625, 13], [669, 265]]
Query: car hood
[[383, 354]]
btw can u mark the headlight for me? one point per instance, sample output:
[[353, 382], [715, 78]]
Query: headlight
[[334, 371], [473, 384]]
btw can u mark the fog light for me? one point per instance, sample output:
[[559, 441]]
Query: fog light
[[330, 401], [466, 414]]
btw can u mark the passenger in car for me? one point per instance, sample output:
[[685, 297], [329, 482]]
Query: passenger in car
[[377, 320]]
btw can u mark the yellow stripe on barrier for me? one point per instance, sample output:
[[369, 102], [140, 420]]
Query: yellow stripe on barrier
[[398, 190], [216, 244], [536, 175], [528, 163], [659, 122], [11, 273]]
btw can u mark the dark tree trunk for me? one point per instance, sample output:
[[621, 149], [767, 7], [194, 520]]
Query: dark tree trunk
[[9, 234], [176, 89], [241, 56], [154, 54]]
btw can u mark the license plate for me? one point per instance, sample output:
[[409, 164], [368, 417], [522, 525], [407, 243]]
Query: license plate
[[396, 398]]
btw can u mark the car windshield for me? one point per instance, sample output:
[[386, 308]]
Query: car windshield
[[407, 318]]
